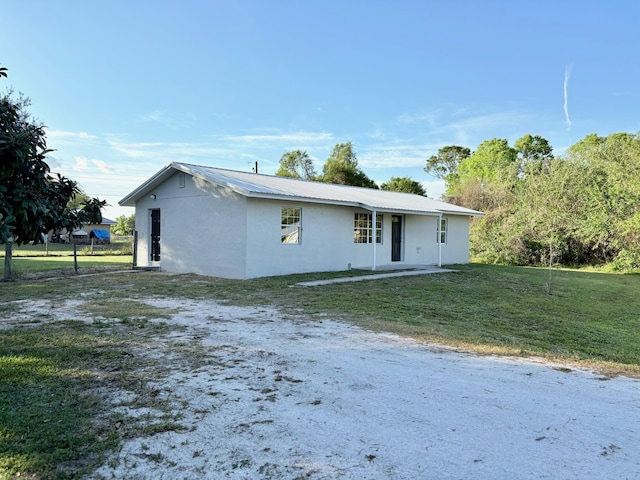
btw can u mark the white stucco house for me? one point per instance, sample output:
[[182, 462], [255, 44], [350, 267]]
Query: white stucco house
[[231, 224]]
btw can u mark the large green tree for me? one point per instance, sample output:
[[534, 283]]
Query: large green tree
[[125, 225], [492, 160], [444, 165], [342, 168], [404, 184], [297, 164], [534, 153], [32, 200]]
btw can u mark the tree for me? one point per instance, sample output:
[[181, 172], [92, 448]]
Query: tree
[[447, 161], [609, 186], [534, 153], [32, 201], [125, 225], [404, 184], [297, 164], [490, 161], [342, 168], [530, 148]]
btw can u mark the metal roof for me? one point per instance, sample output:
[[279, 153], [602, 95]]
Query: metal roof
[[272, 187]]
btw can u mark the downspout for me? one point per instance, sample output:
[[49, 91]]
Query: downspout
[[373, 232], [439, 240]]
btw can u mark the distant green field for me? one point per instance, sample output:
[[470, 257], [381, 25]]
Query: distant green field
[[119, 247], [23, 266]]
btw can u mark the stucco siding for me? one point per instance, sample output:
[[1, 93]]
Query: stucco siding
[[326, 240], [325, 237], [456, 250], [420, 240], [203, 228], [143, 233]]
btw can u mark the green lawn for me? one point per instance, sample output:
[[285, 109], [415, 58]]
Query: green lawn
[[46, 266], [119, 247], [57, 258], [53, 423], [589, 317]]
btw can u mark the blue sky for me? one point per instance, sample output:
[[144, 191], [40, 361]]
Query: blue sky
[[125, 87]]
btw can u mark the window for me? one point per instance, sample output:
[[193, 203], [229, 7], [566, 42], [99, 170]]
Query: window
[[362, 228], [441, 236], [290, 225]]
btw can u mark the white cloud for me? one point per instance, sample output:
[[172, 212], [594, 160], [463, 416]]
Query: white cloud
[[167, 151], [401, 154], [393, 156], [102, 166], [84, 164], [169, 119], [435, 189], [463, 126], [64, 135], [81, 165], [296, 138]]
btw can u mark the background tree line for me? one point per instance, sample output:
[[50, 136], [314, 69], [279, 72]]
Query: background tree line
[[578, 208], [341, 168]]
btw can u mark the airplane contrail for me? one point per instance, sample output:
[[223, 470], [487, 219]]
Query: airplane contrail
[[567, 74]]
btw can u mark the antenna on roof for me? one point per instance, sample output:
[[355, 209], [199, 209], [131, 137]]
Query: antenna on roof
[[255, 169]]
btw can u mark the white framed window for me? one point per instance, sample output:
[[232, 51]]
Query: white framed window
[[363, 231], [291, 225], [441, 234]]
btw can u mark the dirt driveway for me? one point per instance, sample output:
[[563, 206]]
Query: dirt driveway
[[286, 397]]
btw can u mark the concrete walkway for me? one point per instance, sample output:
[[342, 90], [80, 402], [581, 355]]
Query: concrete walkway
[[376, 276]]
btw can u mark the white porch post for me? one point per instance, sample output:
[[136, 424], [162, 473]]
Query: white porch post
[[373, 231], [440, 240]]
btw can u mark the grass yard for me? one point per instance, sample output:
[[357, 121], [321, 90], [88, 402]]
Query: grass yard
[[46, 266], [116, 247], [54, 421]]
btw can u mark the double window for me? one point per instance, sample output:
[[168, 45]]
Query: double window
[[442, 232], [290, 225], [363, 228]]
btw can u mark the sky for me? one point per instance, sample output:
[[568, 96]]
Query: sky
[[127, 86]]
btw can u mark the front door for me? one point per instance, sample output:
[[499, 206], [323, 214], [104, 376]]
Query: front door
[[155, 235], [396, 238]]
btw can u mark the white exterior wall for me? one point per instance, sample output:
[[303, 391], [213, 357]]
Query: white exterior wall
[[420, 240], [202, 228], [456, 250], [326, 239], [142, 228]]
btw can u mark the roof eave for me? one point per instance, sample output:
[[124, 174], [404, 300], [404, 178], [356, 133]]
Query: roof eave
[[158, 178], [324, 201]]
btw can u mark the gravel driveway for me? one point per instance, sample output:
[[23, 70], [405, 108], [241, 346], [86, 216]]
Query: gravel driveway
[[287, 397]]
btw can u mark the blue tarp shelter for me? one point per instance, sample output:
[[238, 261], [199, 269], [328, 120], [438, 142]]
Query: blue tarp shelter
[[100, 235]]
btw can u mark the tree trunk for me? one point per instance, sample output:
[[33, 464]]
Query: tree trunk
[[8, 253]]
